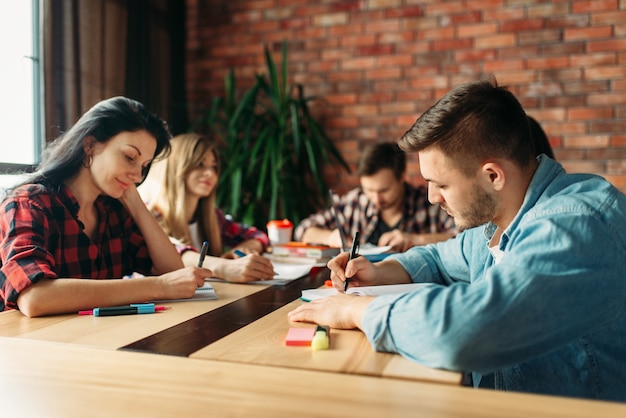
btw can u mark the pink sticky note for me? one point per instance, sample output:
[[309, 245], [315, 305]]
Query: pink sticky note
[[300, 336]]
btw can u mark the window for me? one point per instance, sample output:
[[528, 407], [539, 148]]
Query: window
[[21, 140]]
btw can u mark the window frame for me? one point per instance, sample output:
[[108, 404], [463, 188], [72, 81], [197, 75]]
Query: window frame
[[9, 168]]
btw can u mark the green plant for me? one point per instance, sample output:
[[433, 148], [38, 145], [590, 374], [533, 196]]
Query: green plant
[[274, 149]]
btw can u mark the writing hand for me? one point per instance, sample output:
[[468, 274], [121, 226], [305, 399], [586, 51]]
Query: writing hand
[[360, 271]]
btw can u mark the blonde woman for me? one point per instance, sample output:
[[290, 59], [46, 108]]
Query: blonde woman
[[180, 191]]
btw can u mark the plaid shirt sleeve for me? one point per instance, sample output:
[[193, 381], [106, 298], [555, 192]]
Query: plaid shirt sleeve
[[234, 233], [23, 249], [353, 210]]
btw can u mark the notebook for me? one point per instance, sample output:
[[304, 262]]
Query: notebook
[[313, 294], [206, 292]]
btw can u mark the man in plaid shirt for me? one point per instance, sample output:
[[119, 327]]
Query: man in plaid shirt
[[385, 209]]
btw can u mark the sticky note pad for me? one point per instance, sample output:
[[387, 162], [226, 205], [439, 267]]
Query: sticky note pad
[[300, 336]]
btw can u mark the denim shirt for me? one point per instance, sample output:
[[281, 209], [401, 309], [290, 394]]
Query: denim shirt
[[548, 318]]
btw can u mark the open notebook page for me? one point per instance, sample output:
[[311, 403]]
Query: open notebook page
[[313, 294]]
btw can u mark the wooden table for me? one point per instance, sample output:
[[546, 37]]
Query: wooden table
[[48, 379], [247, 324], [117, 331], [263, 342]]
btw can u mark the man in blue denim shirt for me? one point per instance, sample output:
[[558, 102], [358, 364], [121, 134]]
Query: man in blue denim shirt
[[531, 296]]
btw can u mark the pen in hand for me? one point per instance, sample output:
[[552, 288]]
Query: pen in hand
[[240, 254], [203, 251], [354, 253]]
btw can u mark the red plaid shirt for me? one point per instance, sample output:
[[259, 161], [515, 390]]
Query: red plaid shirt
[[42, 238], [359, 214]]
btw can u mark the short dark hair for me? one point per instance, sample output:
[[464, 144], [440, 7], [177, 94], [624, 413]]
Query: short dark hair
[[376, 157], [540, 139], [474, 121]]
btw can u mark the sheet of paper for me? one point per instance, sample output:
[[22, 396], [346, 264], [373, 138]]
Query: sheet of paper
[[313, 294], [369, 249], [206, 292], [287, 272]]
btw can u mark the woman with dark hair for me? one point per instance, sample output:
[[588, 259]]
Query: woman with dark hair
[[79, 216], [180, 191]]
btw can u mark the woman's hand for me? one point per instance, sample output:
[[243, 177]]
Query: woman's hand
[[248, 268], [182, 283]]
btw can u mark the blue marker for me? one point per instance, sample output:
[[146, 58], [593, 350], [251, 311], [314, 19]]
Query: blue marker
[[239, 253]]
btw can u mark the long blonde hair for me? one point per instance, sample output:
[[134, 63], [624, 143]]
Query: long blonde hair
[[164, 191]]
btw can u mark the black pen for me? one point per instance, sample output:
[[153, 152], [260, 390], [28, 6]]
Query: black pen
[[354, 253], [203, 251]]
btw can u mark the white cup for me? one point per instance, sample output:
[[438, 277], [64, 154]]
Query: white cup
[[279, 231]]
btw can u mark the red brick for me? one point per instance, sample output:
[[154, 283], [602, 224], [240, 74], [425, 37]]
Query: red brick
[[330, 19], [465, 31], [548, 63], [402, 12], [361, 63], [444, 8], [587, 141], [584, 166], [605, 73], [345, 6], [565, 75], [608, 45], [501, 65], [383, 73], [587, 33], [607, 126], [594, 5], [360, 110], [539, 37], [503, 14], [495, 41], [465, 17], [618, 140], [475, 55], [375, 50], [427, 82], [571, 21], [402, 37], [342, 122], [548, 9], [382, 26], [589, 113], [522, 25], [437, 34], [587, 60], [452, 44], [344, 30], [612, 17], [383, 4], [395, 108], [375, 98]]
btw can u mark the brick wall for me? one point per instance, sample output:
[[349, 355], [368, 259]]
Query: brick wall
[[380, 63]]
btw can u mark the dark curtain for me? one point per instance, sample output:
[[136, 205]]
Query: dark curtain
[[96, 49]]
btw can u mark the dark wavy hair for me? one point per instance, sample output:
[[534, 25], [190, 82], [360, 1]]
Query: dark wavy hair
[[63, 158]]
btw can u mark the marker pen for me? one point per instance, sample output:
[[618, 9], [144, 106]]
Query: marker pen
[[133, 309]]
